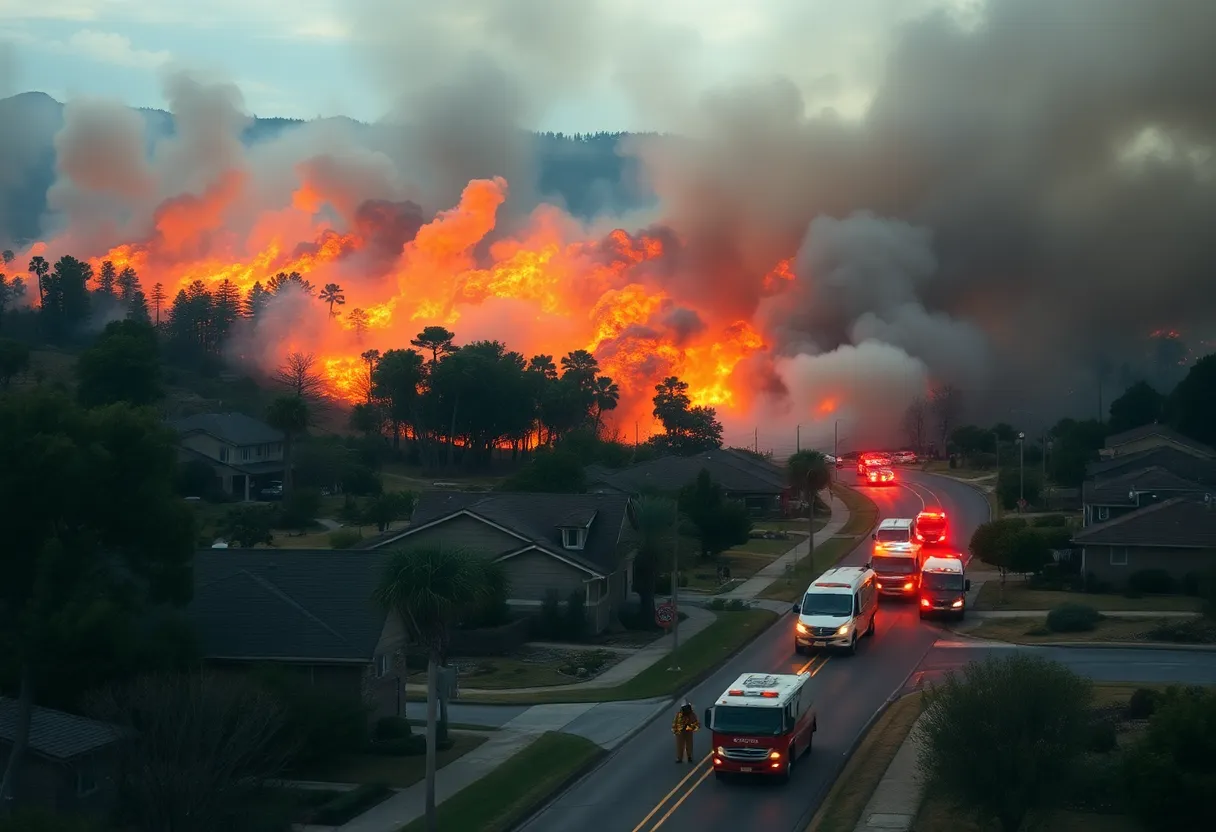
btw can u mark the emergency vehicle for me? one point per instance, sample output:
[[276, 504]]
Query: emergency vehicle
[[896, 557], [762, 724], [880, 476], [943, 587], [870, 460], [837, 610], [930, 527]]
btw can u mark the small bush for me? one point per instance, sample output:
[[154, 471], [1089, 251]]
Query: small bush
[[589, 662], [344, 538], [1073, 618], [549, 623], [320, 725], [350, 804], [1169, 774], [1143, 703], [409, 746], [1103, 737], [1152, 582], [392, 728], [1184, 631]]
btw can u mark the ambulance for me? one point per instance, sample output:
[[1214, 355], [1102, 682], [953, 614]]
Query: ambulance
[[896, 558], [944, 587], [762, 724], [931, 527]]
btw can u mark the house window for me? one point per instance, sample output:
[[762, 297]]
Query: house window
[[223, 454], [86, 780], [1103, 513], [1118, 556], [573, 538], [383, 664], [246, 453]]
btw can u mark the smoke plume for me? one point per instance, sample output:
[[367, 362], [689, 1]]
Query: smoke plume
[[1024, 194]]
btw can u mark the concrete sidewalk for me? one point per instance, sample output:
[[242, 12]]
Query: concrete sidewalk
[[607, 724], [894, 804]]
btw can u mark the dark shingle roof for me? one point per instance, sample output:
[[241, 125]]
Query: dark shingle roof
[[1182, 522], [1145, 431], [735, 472], [287, 604], [55, 734], [1114, 491], [236, 428], [537, 518], [1176, 461]]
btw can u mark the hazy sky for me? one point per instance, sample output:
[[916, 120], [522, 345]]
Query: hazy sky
[[324, 57]]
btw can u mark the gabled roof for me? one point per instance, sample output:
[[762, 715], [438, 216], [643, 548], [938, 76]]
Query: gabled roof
[[1145, 431], [55, 734], [234, 428], [534, 520], [736, 472], [1114, 491], [1186, 522], [1175, 460], [287, 604]]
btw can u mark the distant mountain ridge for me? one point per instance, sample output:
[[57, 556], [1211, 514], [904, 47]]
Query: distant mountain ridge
[[585, 173]]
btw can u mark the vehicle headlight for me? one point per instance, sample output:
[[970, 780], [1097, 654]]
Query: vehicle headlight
[[844, 630], [957, 604], [802, 628]]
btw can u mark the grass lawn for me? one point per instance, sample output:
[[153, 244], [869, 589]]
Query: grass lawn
[[398, 772], [742, 565], [795, 524], [1034, 631], [504, 673], [863, 514], [700, 654], [1018, 597], [843, 807], [517, 788], [770, 548], [942, 466]]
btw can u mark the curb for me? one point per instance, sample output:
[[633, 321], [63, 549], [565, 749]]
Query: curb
[[1126, 645]]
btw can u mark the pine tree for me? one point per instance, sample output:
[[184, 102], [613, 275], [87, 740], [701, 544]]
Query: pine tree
[[256, 300], [128, 284], [158, 299], [226, 308], [106, 278]]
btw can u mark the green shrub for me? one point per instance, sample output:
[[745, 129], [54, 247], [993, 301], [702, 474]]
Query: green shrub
[[1152, 582], [1073, 618], [1103, 737], [1184, 631], [1143, 703], [318, 725], [1049, 521], [351, 804], [392, 728], [1169, 775], [344, 538]]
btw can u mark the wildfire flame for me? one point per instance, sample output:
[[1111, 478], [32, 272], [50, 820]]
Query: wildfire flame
[[599, 294]]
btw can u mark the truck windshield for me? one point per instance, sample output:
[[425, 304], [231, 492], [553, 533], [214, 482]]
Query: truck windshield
[[834, 604], [730, 719], [943, 581], [893, 566], [893, 536]]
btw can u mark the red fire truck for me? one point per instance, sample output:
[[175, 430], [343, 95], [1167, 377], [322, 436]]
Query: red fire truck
[[761, 724]]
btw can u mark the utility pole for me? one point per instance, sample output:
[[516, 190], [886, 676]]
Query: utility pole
[[756, 441], [798, 439], [1021, 470], [675, 586], [836, 451], [996, 443]]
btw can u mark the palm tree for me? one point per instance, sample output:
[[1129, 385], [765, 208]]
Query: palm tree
[[607, 395], [39, 268], [332, 294], [654, 518], [290, 415], [429, 588]]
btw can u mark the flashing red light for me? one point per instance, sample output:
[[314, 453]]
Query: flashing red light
[[924, 602], [769, 694], [738, 692]]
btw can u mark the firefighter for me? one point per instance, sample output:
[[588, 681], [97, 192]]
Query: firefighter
[[684, 726]]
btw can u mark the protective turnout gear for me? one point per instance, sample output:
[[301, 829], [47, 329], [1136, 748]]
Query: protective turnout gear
[[683, 727]]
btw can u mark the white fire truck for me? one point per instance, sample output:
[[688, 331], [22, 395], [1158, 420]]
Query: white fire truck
[[761, 724]]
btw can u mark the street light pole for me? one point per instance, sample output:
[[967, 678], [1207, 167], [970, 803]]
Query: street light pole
[[1021, 470], [675, 585], [996, 445]]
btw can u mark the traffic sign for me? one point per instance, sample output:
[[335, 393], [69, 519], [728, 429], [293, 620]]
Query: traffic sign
[[1022, 505], [664, 615]]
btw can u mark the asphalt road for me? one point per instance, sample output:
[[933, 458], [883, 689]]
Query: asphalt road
[[640, 788]]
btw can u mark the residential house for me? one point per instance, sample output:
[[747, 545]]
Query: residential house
[[1177, 535], [758, 484], [307, 612], [244, 453], [563, 542], [1110, 497], [1182, 463], [70, 763], [1152, 436]]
